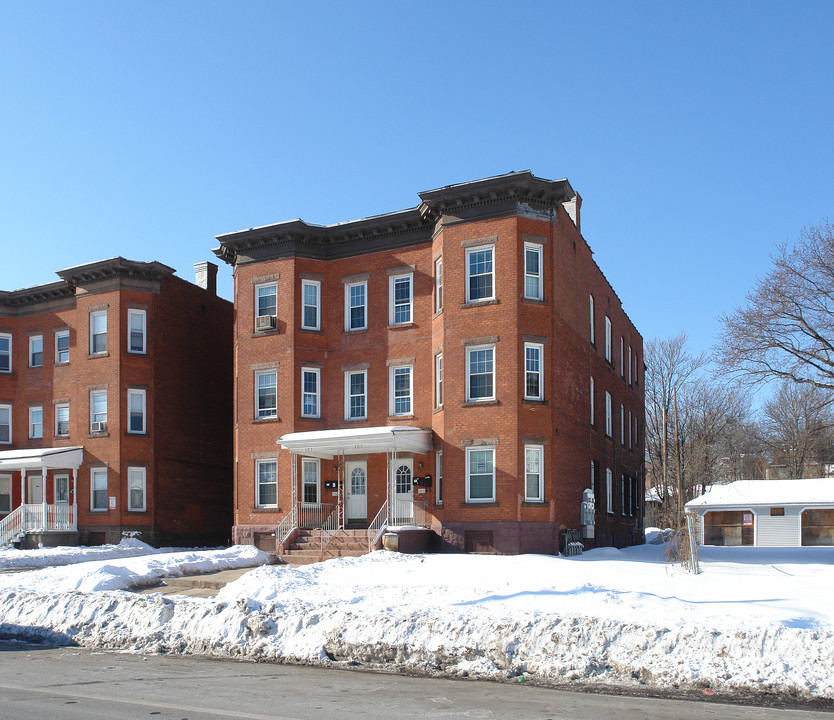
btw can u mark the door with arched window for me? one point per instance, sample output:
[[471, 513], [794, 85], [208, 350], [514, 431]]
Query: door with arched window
[[356, 484], [402, 473]]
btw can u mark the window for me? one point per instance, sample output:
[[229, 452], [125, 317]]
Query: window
[[310, 310], [591, 316], [310, 481], [266, 300], [630, 445], [629, 364], [400, 388], [98, 489], [479, 272], [438, 380], [480, 373], [5, 353], [136, 335], [36, 351], [98, 332], [35, 422], [623, 495], [310, 392], [622, 357], [609, 421], [438, 284], [62, 420], [267, 478], [136, 411], [98, 411], [62, 489], [136, 488], [532, 271], [622, 425], [533, 464], [438, 483], [608, 339], [609, 490], [6, 424], [62, 347], [593, 484], [266, 394], [593, 419], [399, 292], [356, 306], [356, 397], [636, 366], [533, 375], [5, 493], [480, 474]]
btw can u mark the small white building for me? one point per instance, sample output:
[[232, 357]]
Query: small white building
[[767, 513]]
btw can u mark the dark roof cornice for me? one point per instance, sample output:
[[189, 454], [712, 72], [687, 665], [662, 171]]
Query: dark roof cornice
[[13, 300], [113, 269]]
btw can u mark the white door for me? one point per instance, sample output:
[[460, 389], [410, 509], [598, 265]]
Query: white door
[[356, 483], [35, 489], [401, 477]]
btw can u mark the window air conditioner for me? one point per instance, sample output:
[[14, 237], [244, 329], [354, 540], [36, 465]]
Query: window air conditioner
[[98, 427], [265, 322]]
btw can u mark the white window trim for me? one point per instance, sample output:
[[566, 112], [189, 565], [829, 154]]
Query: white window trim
[[622, 357], [348, 396], [60, 334], [317, 463], [392, 400], [57, 409], [629, 364], [539, 449], [608, 338], [258, 287], [469, 451], [144, 475], [94, 393], [622, 425], [609, 491], [31, 423], [623, 495], [392, 281], [93, 473], [317, 372], [438, 380], [438, 284], [539, 372], [630, 445], [258, 463], [32, 339], [134, 312], [55, 479], [438, 481], [132, 392], [593, 417], [591, 311], [469, 350], [274, 413], [8, 408], [304, 306], [93, 315], [8, 336], [538, 249], [469, 251], [609, 420], [6, 482], [348, 286]]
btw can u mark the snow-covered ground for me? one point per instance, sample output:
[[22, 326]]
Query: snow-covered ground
[[755, 618]]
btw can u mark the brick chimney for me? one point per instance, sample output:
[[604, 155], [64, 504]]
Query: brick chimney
[[205, 276]]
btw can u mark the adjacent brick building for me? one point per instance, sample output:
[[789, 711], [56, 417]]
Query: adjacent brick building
[[115, 407], [463, 364]]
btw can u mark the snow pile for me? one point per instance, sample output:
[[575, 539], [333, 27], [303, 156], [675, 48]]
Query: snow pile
[[756, 618], [11, 558]]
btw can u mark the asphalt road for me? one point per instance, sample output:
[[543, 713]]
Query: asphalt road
[[48, 683]]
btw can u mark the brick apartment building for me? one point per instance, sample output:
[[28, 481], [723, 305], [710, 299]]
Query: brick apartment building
[[462, 365], [115, 407]]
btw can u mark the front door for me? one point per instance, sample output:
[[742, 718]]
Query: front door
[[356, 475], [35, 489], [402, 472]]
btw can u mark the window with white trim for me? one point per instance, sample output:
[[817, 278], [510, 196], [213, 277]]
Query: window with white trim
[[438, 482], [136, 411], [533, 371], [629, 364], [480, 474], [591, 317], [98, 410], [533, 473], [266, 476], [266, 299], [62, 420], [400, 292], [5, 494], [98, 332], [62, 338], [136, 478], [623, 494], [622, 425], [311, 304], [6, 424], [609, 491], [480, 284], [356, 395], [36, 422], [400, 390], [310, 392], [310, 468], [609, 421], [62, 489], [593, 418], [137, 341], [533, 271], [630, 445], [36, 351], [438, 284], [98, 489], [5, 352], [266, 394], [622, 357], [438, 380], [480, 373], [608, 339], [636, 368], [356, 306]]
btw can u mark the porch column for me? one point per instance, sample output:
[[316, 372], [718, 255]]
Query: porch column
[[72, 489], [22, 486], [46, 524]]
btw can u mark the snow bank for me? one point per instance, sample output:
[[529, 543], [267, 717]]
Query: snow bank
[[11, 558]]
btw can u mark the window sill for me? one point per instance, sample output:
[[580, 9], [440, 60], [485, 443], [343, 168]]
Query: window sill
[[438, 409], [266, 509], [137, 512], [409, 416], [61, 437], [535, 503], [401, 326], [99, 435], [96, 356], [534, 301], [136, 434], [437, 314], [439, 504], [356, 420], [307, 330], [532, 401], [61, 364], [137, 353], [478, 403], [265, 421], [479, 303], [264, 333], [309, 417], [35, 367], [476, 504], [102, 511], [356, 331]]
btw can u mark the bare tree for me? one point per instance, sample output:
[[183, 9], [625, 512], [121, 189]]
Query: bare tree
[[786, 329]]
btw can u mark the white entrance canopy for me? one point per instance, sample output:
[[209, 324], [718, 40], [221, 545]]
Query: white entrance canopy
[[327, 444], [65, 458]]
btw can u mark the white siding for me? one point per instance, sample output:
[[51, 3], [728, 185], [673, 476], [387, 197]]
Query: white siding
[[777, 531]]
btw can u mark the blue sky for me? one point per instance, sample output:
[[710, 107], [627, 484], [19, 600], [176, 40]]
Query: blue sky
[[698, 134]]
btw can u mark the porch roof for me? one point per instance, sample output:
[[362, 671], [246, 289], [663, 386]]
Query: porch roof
[[64, 458], [328, 444]]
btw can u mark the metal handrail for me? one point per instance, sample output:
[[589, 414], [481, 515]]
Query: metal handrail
[[285, 528], [377, 524], [31, 517], [329, 528]]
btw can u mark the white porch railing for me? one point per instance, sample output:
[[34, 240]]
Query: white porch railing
[[313, 516], [329, 527], [377, 525], [36, 518], [285, 528]]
